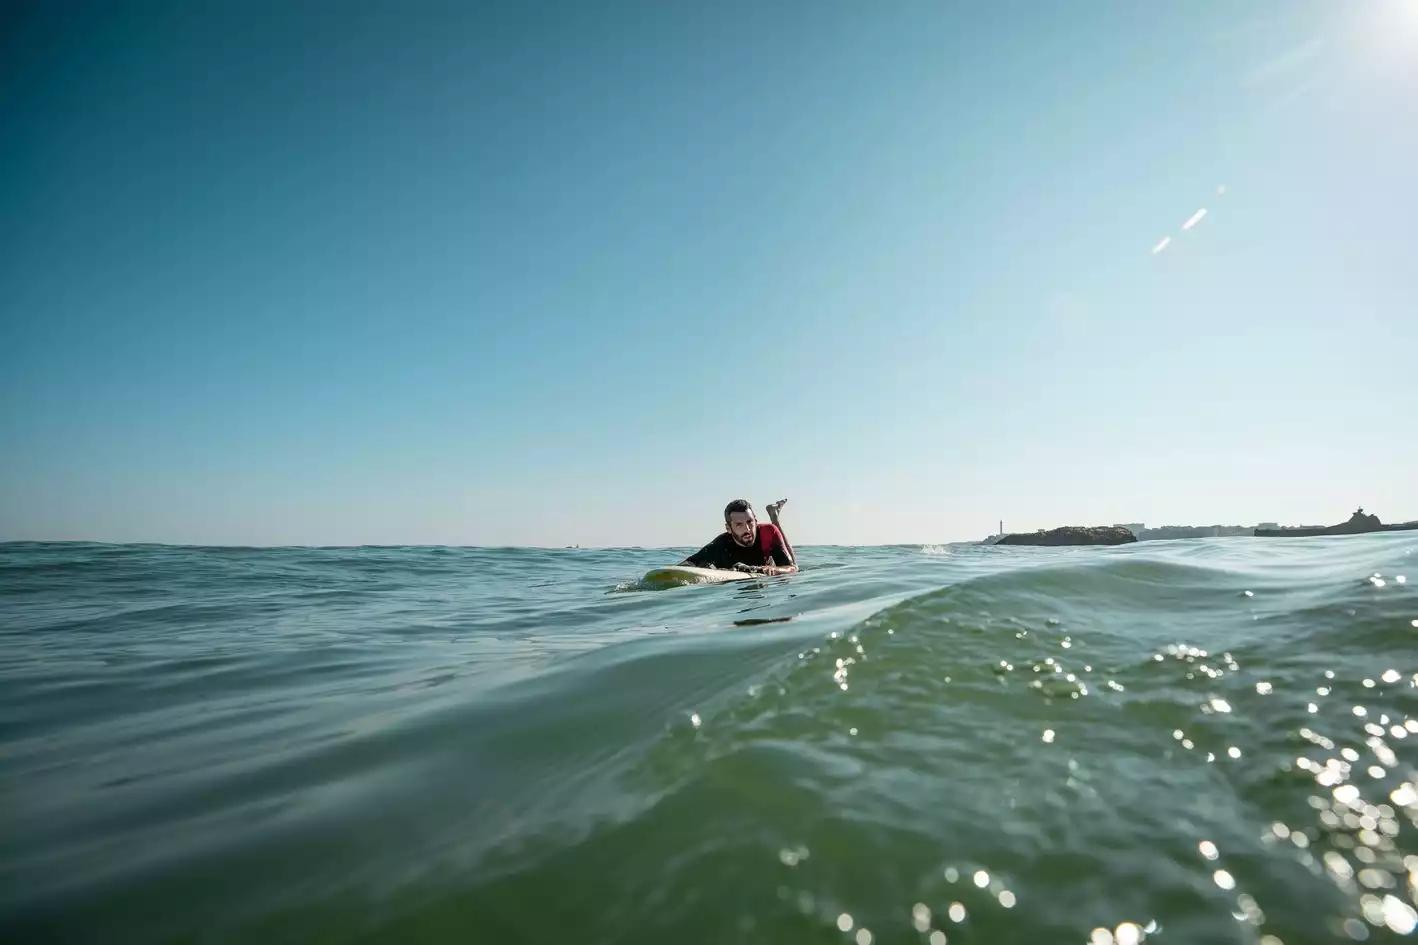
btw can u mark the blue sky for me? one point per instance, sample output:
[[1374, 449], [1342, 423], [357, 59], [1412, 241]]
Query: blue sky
[[555, 274]]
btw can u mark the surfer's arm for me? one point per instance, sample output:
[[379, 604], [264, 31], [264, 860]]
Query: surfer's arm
[[703, 558], [783, 561]]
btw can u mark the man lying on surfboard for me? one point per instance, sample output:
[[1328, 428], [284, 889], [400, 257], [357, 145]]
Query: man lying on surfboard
[[747, 545]]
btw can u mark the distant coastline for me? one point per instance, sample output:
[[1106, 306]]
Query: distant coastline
[[1359, 523]]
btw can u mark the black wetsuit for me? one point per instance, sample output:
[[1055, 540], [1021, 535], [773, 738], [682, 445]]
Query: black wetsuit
[[723, 552]]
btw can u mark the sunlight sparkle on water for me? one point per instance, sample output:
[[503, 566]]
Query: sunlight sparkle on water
[[792, 856], [1127, 933], [1399, 915], [1346, 794]]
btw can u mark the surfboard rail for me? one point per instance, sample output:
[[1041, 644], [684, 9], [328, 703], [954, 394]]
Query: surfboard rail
[[681, 574]]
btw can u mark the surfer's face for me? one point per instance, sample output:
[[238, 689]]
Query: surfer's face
[[743, 527]]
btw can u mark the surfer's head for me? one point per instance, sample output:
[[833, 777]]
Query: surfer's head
[[740, 522]]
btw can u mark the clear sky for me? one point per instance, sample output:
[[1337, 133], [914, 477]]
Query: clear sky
[[341, 273]]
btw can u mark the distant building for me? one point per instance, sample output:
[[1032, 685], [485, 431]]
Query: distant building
[[1271, 525], [1135, 527], [1165, 532]]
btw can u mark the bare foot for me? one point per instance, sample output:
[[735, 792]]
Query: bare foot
[[773, 508]]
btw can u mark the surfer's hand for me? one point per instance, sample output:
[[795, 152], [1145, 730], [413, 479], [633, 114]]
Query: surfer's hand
[[747, 568]]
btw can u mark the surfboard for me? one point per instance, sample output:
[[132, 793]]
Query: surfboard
[[680, 574]]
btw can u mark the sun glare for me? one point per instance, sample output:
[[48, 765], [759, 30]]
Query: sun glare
[[1392, 29], [1408, 13]]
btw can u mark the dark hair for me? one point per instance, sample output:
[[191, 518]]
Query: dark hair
[[738, 505]]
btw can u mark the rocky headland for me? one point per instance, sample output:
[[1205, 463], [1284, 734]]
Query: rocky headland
[[1073, 535]]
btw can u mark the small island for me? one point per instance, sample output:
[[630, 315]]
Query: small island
[[1073, 535]]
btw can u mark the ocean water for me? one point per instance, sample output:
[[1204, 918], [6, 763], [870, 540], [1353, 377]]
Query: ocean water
[[1192, 741]]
